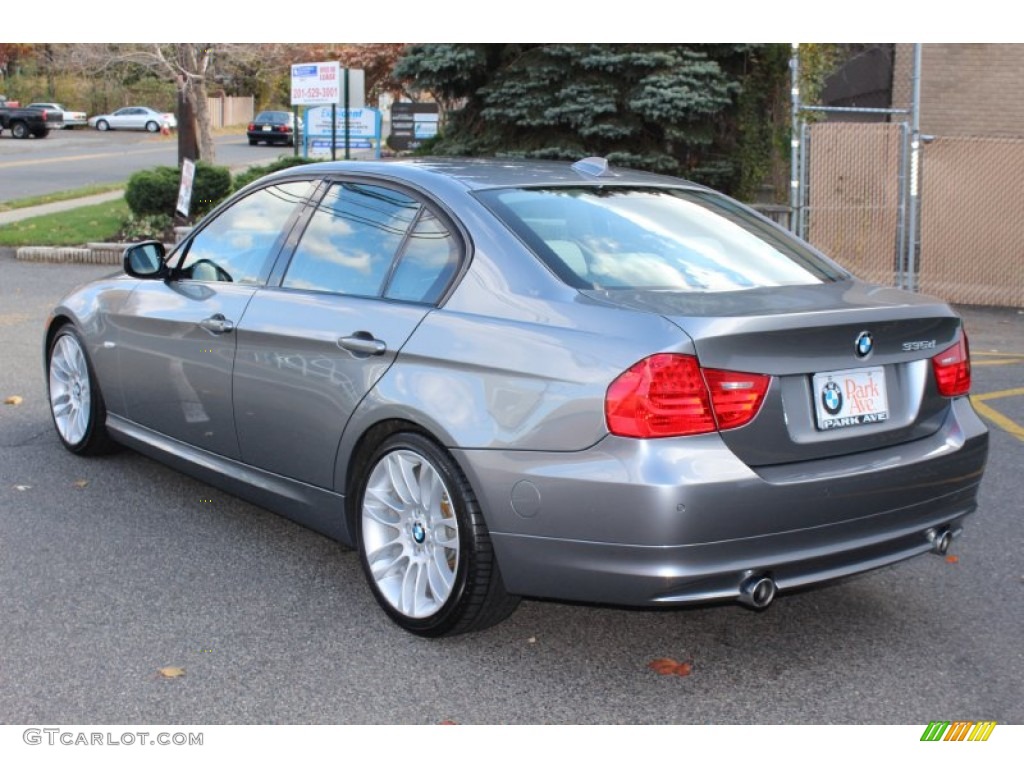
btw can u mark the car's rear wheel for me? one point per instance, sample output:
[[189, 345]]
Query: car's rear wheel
[[19, 130], [102, 125], [152, 126], [253, 142], [423, 542], [76, 403]]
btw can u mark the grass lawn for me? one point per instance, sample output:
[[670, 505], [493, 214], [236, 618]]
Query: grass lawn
[[53, 197], [91, 224]]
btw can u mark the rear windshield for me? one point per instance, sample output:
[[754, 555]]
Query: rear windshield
[[651, 238], [278, 117]]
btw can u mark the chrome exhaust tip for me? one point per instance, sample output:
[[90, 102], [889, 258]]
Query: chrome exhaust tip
[[758, 591], [941, 538]]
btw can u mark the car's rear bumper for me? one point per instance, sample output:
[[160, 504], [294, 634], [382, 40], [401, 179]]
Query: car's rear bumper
[[678, 521]]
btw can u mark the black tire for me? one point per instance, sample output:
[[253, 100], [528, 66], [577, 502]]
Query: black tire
[[424, 549], [152, 126], [102, 125], [253, 142], [19, 130], [76, 403], [41, 133]]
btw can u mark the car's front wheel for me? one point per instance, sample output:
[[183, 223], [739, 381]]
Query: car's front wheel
[[76, 403], [423, 542]]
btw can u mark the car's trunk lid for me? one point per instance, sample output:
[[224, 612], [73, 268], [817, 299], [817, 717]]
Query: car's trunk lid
[[825, 398]]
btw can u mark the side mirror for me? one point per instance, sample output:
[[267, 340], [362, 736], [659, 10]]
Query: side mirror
[[146, 260]]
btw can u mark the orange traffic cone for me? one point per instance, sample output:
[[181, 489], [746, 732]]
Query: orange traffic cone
[[165, 129]]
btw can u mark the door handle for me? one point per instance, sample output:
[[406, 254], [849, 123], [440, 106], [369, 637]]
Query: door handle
[[217, 324], [362, 343]]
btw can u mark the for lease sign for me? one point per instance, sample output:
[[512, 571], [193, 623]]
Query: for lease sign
[[317, 83]]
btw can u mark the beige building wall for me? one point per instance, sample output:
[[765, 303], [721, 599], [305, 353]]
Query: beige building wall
[[967, 89]]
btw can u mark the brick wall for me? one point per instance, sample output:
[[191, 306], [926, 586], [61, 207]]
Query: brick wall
[[967, 89]]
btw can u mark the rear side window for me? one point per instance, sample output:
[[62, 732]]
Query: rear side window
[[428, 262], [371, 241], [655, 238], [351, 240]]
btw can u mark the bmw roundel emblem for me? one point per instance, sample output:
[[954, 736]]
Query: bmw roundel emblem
[[832, 398], [864, 344]]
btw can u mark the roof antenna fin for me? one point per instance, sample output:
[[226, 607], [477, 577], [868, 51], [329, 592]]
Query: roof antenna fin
[[592, 166]]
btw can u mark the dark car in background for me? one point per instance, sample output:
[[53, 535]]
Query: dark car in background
[[500, 378], [274, 127]]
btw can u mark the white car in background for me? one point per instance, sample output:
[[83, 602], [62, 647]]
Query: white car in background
[[137, 118], [71, 119]]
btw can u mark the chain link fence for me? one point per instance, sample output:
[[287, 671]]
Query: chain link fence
[[853, 201], [972, 221]]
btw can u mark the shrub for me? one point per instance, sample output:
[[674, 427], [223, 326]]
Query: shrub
[[259, 171], [155, 191]]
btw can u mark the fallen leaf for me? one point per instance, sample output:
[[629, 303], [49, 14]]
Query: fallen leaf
[[13, 400], [80, 483], [952, 559], [22, 487], [171, 671], [532, 640], [447, 722], [671, 667]]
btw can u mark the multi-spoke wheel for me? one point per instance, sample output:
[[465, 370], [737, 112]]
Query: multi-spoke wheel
[[424, 544], [76, 403]]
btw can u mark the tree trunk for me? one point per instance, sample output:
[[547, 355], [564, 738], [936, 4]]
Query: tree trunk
[[201, 108]]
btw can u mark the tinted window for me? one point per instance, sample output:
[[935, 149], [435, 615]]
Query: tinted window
[[351, 240], [234, 247], [655, 238], [429, 259]]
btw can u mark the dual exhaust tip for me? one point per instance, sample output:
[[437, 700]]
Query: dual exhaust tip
[[758, 590]]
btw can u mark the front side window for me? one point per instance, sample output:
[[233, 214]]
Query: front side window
[[351, 240], [655, 238], [236, 245]]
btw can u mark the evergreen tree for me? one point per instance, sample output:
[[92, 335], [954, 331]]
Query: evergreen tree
[[666, 108]]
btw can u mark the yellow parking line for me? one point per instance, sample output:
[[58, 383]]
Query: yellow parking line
[[1003, 361], [75, 158], [998, 419], [975, 353], [997, 395]]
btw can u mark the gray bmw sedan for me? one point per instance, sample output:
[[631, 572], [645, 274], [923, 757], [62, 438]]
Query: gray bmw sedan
[[501, 379]]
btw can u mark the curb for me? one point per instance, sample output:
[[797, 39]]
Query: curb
[[92, 253]]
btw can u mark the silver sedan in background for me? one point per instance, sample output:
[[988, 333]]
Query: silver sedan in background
[[134, 118], [499, 379]]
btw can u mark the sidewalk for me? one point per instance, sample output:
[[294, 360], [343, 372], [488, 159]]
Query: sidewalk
[[9, 217]]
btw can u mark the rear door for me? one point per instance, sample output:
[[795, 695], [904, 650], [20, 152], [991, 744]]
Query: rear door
[[372, 262]]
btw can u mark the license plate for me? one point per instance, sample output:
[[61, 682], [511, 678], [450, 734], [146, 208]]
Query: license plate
[[268, 127], [850, 398]]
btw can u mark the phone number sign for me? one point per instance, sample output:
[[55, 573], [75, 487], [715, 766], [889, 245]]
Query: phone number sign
[[317, 83]]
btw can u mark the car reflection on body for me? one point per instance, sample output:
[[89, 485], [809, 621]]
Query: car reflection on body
[[134, 118], [499, 379]]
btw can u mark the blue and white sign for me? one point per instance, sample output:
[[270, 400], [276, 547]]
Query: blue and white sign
[[363, 130]]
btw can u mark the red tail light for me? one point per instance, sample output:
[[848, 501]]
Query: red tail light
[[671, 395], [286, 129], [252, 126], [953, 369]]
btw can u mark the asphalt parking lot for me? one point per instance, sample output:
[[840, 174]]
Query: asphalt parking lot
[[113, 568]]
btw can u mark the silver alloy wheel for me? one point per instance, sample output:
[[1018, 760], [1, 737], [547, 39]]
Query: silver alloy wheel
[[70, 393], [410, 534]]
